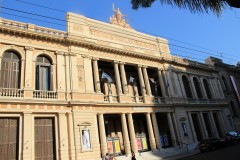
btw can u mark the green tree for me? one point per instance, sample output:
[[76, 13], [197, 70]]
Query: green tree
[[195, 6]]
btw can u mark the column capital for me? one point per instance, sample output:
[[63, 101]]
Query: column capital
[[86, 56], [27, 48], [145, 66], [59, 53], [160, 69], [115, 62], [122, 63], [139, 66], [95, 59]]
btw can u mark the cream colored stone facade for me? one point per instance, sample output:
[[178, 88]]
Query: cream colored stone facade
[[125, 112]]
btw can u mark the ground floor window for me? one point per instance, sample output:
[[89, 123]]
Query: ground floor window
[[45, 148], [9, 135]]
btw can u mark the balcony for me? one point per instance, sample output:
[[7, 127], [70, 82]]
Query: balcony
[[38, 94], [11, 92]]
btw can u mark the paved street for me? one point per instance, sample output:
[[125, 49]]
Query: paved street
[[228, 153]]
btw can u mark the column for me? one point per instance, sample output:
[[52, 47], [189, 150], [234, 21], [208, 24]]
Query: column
[[125, 135], [203, 126], [123, 78], [29, 68], [203, 88], [117, 77], [54, 77], [132, 134], [68, 75], [172, 133], [212, 90], [71, 140], [74, 74], [103, 139], [213, 124], [88, 73], [156, 130], [23, 64], [146, 80], [27, 135], [194, 135], [161, 82], [140, 76], [169, 83], [222, 121], [220, 89], [150, 132], [96, 76], [63, 136]]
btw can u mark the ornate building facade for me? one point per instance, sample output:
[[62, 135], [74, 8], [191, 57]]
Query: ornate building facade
[[99, 88]]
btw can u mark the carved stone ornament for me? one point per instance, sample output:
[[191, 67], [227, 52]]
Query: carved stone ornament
[[118, 19]]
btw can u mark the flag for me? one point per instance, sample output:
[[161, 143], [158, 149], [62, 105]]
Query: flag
[[131, 79], [152, 80], [108, 77]]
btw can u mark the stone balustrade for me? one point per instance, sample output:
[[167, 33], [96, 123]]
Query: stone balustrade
[[32, 27], [9, 92], [45, 94]]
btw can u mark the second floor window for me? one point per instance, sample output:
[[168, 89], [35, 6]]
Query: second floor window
[[186, 86], [44, 75], [10, 70]]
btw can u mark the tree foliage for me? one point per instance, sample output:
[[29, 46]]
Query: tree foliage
[[195, 6]]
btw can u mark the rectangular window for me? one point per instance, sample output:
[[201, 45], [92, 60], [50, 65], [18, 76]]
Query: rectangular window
[[9, 137], [45, 139]]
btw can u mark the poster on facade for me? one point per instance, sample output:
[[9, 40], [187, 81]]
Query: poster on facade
[[139, 143], [86, 143], [117, 146], [144, 143], [166, 142], [110, 146], [162, 140]]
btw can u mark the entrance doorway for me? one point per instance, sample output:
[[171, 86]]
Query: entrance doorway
[[196, 125], [141, 131], [164, 131], [207, 123], [45, 148], [9, 138], [113, 129]]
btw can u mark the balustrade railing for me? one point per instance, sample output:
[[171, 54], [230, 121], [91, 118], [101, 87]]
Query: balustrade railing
[[115, 98], [44, 94], [32, 27], [10, 92], [140, 99]]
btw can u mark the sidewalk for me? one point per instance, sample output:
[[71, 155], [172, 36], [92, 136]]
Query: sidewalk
[[182, 155], [174, 153]]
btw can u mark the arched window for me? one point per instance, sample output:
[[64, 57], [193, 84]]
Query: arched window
[[187, 87], [207, 88], [44, 76], [197, 87], [225, 86], [10, 70]]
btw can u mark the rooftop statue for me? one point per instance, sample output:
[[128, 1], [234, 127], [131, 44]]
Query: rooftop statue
[[118, 19]]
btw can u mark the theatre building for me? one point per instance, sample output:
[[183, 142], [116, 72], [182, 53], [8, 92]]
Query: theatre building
[[101, 88]]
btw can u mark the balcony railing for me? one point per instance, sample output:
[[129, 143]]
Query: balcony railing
[[45, 94], [10, 92], [110, 98]]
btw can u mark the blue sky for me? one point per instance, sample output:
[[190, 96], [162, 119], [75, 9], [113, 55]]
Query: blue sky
[[192, 36]]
